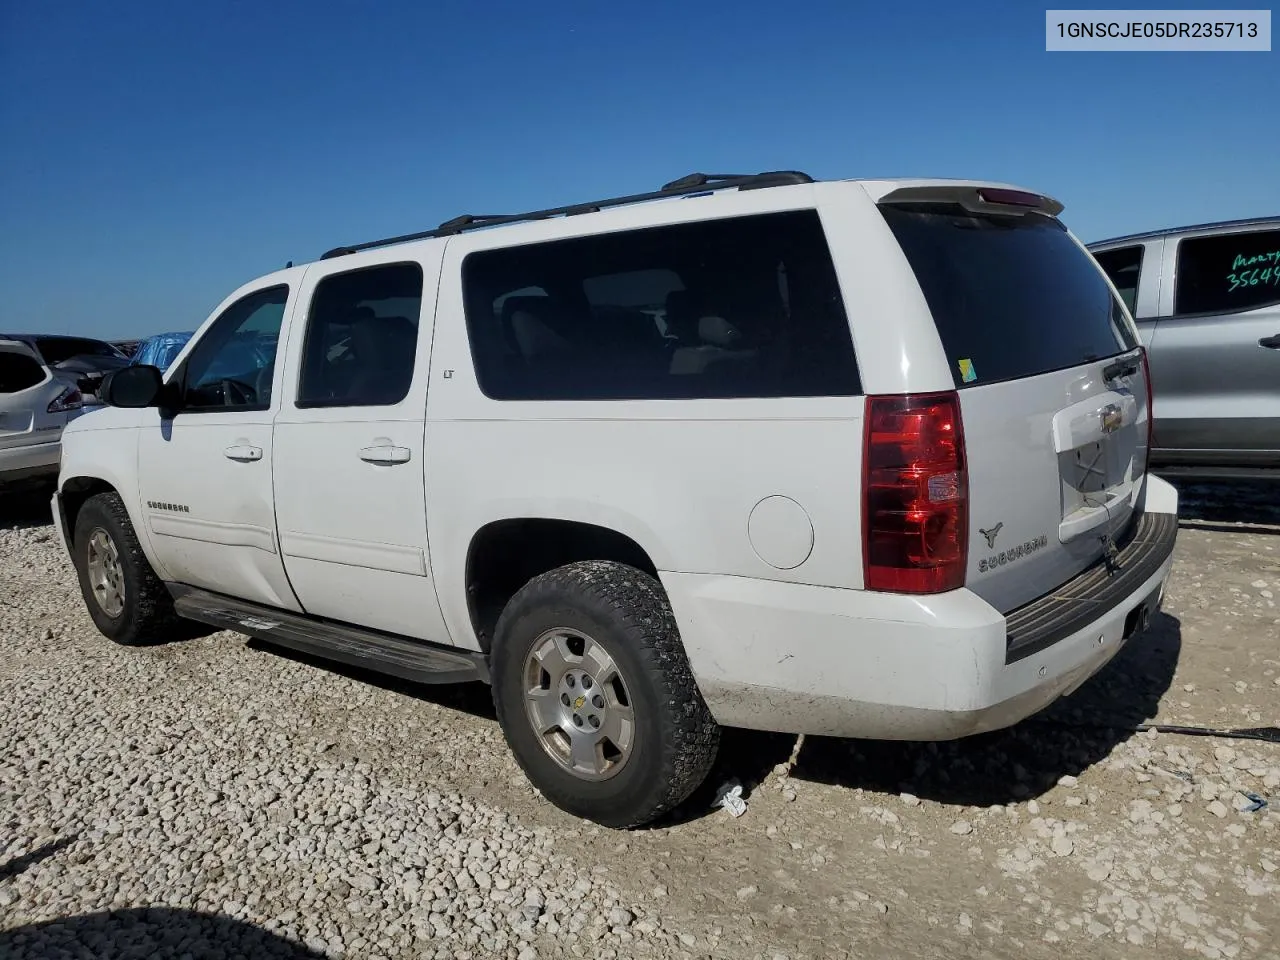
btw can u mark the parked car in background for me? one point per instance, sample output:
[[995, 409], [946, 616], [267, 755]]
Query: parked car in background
[[1207, 302], [159, 350], [82, 359], [35, 404]]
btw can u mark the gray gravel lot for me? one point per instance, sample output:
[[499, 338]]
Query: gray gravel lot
[[218, 798]]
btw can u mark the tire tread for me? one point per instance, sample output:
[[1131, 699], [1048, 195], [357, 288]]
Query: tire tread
[[637, 606], [149, 615]]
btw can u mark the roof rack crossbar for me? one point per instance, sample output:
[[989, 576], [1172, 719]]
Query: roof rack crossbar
[[692, 184]]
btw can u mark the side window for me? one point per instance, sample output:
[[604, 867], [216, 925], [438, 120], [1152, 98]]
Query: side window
[[232, 365], [1238, 271], [1123, 266], [19, 372], [362, 335], [740, 307], [620, 296]]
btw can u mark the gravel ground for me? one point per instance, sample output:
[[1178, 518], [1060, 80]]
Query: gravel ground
[[219, 798]]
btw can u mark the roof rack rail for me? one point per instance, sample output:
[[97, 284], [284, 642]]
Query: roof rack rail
[[692, 184]]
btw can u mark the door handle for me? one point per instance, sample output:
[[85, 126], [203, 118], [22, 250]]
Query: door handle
[[385, 454], [242, 453], [1272, 343]]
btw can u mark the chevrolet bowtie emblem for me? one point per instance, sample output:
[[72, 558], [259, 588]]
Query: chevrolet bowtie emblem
[[1112, 418]]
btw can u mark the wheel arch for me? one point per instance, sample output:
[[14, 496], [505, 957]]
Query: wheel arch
[[504, 555], [74, 490]]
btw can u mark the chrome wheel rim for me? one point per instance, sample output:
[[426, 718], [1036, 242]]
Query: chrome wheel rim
[[106, 576], [578, 704]]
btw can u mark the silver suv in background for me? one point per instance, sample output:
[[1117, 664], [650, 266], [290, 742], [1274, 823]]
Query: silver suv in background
[[36, 403], [1207, 302]]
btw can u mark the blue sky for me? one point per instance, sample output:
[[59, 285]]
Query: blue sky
[[156, 155]]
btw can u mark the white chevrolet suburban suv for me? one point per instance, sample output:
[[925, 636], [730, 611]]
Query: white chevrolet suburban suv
[[854, 458]]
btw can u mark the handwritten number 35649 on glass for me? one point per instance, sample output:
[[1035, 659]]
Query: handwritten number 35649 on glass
[[1252, 278]]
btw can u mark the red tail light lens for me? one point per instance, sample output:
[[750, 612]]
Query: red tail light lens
[[915, 526], [69, 399]]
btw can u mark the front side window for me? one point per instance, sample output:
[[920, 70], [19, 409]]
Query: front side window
[[1227, 273], [1123, 267], [232, 365], [362, 337], [739, 307]]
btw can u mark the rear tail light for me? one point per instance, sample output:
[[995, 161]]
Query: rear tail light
[[1151, 410], [68, 399], [915, 491]]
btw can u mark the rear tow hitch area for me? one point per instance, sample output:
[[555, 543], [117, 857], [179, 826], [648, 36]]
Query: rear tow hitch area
[[1138, 620]]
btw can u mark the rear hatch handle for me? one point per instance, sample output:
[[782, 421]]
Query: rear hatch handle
[[1091, 421]]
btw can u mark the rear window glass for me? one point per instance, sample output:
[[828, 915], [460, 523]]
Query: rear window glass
[[1012, 296], [1238, 271], [18, 372], [740, 307], [58, 349]]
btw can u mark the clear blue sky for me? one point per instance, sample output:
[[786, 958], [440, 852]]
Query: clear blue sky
[[158, 154]]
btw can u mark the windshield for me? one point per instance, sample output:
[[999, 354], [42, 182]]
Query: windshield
[[57, 349], [1012, 296]]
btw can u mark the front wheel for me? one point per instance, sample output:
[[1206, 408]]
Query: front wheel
[[127, 601], [595, 695]]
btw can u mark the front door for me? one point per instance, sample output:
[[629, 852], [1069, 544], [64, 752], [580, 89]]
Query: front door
[[348, 454], [204, 462]]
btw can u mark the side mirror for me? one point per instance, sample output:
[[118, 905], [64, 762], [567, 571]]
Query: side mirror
[[134, 386]]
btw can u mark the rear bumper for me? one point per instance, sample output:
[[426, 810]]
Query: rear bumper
[[802, 659]]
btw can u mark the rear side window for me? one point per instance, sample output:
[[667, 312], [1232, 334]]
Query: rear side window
[[1238, 271], [1012, 296], [743, 307], [362, 337], [1123, 266], [18, 372]]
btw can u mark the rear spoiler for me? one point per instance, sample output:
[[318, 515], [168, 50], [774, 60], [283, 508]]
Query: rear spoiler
[[977, 198]]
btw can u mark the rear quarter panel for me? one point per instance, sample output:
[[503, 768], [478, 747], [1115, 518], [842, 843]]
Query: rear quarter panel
[[681, 478]]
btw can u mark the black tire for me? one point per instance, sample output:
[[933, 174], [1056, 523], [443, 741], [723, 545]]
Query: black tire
[[675, 737], [147, 615]]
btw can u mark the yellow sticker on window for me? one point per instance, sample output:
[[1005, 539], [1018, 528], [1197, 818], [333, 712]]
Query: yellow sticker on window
[[967, 373]]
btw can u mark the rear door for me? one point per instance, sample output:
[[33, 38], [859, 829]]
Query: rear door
[[350, 473], [1051, 385], [1215, 358]]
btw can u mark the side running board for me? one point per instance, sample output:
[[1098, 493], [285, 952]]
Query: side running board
[[414, 660]]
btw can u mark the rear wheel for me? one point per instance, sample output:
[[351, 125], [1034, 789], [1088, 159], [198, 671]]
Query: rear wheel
[[595, 695], [125, 598]]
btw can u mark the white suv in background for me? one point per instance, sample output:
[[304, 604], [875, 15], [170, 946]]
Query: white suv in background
[[35, 405], [858, 458]]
